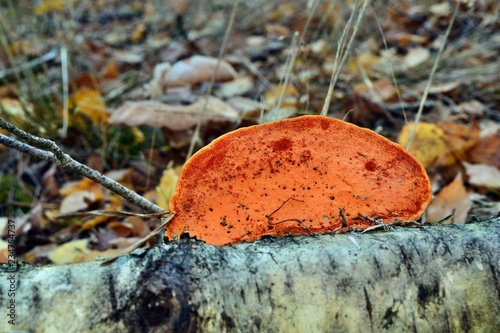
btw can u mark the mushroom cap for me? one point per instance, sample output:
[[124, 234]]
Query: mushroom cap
[[310, 174]]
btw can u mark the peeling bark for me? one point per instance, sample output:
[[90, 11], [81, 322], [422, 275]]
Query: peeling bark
[[429, 279]]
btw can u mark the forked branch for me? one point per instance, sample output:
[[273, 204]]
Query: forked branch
[[49, 151]]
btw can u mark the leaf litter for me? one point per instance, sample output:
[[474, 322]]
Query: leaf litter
[[138, 83]]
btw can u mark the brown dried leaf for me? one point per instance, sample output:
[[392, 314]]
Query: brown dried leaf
[[452, 200], [140, 228], [78, 201], [483, 175], [487, 151], [173, 117], [198, 69]]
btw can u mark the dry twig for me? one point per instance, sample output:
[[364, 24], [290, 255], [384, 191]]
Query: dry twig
[[49, 151]]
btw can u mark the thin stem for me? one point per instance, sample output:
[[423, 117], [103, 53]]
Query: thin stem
[[431, 78]]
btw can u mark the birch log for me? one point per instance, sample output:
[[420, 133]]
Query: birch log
[[429, 279]]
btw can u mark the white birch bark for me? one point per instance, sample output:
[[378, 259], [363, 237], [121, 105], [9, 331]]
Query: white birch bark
[[430, 279]]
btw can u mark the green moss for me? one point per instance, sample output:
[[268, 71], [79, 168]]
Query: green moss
[[12, 190]]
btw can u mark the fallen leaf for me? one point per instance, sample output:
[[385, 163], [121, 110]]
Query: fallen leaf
[[416, 56], [376, 91], [281, 101], [121, 229], [166, 187], [173, 117], [277, 31], [405, 39], [238, 86], [288, 94], [440, 144], [486, 151], [198, 69], [82, 185], [90, 102], [78, 201], [453, 199], [140, 228], [110, 71], [482, 175], [48, 6], [130, 56], [4, 252], [446, 87], [138, 34], [428, 145], [472, 108], [70, 252], [245, 105]]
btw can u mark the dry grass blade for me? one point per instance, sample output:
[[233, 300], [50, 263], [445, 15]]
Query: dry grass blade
[[431, 77], [197, 129], [343, 51]]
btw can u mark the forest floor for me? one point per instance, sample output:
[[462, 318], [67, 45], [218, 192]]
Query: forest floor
[[93, 76]]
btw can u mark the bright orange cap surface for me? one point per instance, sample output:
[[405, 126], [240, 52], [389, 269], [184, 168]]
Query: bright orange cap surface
[[304, 175]]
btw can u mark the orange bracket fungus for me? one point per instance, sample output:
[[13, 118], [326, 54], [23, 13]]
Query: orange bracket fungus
[[305, 175]]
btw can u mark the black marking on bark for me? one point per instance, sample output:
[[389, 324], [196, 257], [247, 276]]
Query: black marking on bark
[[415, 247], [112, 294], [345, 283], [242, 295], [257, 321], [428, 293], [36, 297], [228, 322], [369, 307], [464, 316], [301, 267], [406, 260], [377, 266], [331, 261], [289, 282], [389, 316], [259, 292], [413, 323]]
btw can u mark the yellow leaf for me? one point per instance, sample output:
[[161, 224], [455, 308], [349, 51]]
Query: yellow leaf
[[90, 102], [428, 145], [71, 252], [94, 222], [83, 185], [48, 6], [440, 144], [166, 187], [139, 136], [139, 33]]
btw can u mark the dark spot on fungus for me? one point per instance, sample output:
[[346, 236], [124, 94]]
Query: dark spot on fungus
[[324, 125], [282, 144], [370, 166]]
